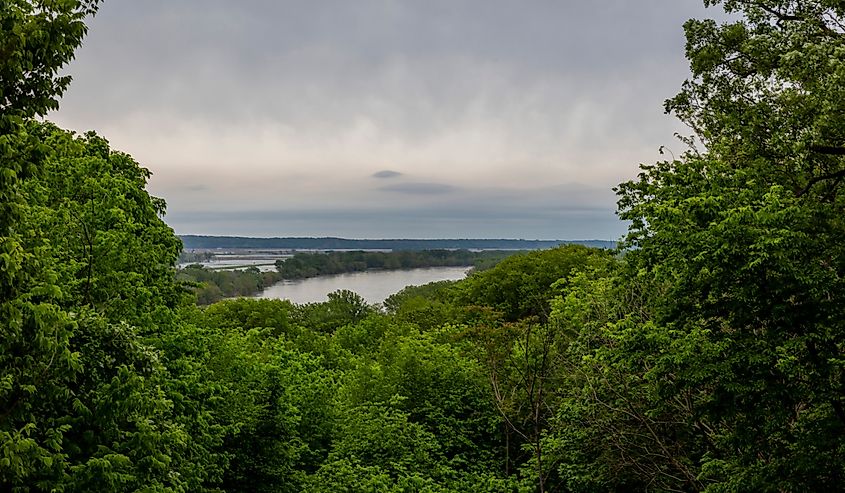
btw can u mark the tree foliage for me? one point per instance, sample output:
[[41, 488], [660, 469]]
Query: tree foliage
[[742, 240], [706, 356], [304, 265]]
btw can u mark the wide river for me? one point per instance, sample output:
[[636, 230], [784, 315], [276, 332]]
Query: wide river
[[374, 285]]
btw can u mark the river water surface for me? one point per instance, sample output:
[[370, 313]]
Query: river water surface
[[373, 285]]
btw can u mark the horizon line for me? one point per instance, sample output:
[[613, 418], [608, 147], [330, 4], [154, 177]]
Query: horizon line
[[384, 239]]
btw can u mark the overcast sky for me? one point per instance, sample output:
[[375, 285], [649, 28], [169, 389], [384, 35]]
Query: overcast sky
[[384, 119]]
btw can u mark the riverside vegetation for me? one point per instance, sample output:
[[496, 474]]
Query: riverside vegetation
[[705, 356], [212, 285]]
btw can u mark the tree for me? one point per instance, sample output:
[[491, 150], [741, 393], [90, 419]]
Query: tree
[[768, 91], [85, 402], [36, 40], [522, 372], [614, 429], [113, 250], [39, 38], [520, 286], [745, 236], [428, 306], [342, 307]]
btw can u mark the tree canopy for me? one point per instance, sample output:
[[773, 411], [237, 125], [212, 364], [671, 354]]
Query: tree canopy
[[705, 355], [743, 241]]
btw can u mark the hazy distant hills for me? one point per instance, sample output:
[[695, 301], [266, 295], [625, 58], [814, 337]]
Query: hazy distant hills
[[328, 243]]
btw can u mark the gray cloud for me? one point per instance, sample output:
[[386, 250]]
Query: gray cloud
[[386, 174], [284, 106], [419, 188], [567, 211], [196, 187], [417, 223]]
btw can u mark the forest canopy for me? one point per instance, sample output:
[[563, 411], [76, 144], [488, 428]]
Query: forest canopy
[[704, 355]]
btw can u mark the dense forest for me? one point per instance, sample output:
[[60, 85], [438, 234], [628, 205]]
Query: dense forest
[[705, 355], [304, 265], [212, 285]]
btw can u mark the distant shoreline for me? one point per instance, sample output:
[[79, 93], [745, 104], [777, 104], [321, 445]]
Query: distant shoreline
[[332, 243]]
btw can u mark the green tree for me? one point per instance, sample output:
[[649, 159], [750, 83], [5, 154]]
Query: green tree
[[428, 306], [37, 39], [745, 237], [245, 314], [520, 286], [614, 427], [343, 307], [112, 249], [87, 401], [767, 92]]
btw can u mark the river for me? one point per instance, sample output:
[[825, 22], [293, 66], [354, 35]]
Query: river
[[373, 285]]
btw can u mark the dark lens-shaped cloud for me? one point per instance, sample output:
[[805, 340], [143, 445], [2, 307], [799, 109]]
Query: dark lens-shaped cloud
[[387, 173]]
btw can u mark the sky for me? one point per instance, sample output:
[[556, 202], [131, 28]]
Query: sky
[[385, 118]]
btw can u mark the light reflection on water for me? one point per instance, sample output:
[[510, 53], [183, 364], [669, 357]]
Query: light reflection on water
[[373, 286]]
